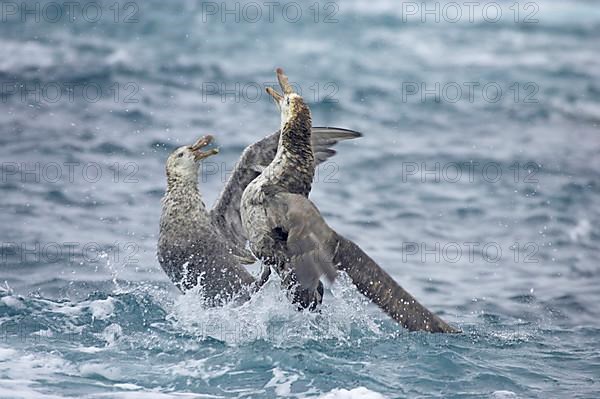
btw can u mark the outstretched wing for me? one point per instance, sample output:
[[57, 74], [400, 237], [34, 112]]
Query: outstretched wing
[[323, 138], [377, 285], [226, 212]]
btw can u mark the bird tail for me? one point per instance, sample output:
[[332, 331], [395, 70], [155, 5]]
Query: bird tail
[[377, 285]]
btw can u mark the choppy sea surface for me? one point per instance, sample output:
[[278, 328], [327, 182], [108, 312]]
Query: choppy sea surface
[[476, 185]]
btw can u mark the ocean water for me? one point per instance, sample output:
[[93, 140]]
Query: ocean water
[[476, 185]]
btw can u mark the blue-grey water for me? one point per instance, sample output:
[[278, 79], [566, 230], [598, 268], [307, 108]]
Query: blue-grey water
[[476, 185]]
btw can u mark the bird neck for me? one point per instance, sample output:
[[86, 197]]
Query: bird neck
[[295, 155], [182, 205], [181, 179]]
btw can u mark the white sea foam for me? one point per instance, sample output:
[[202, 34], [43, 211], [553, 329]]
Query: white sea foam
[[13, 302], [269, 315], [199, 368], [356, 393], [20, 373], [7, 354], [111, 334], [504, 395], [102, 308], [19, 389], [129, 387], [282, 382], [112, 373], [152, 394]]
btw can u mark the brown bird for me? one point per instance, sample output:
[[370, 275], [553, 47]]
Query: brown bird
[[207, 247], [287, 231]]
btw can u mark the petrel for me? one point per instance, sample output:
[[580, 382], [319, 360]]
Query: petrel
[[287, 231], [207, 247]]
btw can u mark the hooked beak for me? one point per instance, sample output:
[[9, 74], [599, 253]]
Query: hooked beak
[[276, 96], [284, 84], [201, 143]]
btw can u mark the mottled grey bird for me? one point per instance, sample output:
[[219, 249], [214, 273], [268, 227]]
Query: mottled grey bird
[[287, 231], [198, 246]]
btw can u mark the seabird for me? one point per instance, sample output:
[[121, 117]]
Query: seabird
[[198, 246], [287, 231]]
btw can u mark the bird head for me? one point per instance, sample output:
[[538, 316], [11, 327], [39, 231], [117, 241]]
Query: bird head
[[184, 161], [290, 103]]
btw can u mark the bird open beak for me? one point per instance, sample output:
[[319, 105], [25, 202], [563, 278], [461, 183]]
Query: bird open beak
[[276, 96], [201, 143], [283, 83]]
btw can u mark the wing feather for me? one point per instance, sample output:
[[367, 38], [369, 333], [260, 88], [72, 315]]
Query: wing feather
[[226, 212], [310, 242]]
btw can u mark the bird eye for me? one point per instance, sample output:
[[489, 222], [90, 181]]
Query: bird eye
[[180, 155], [288, 101]]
